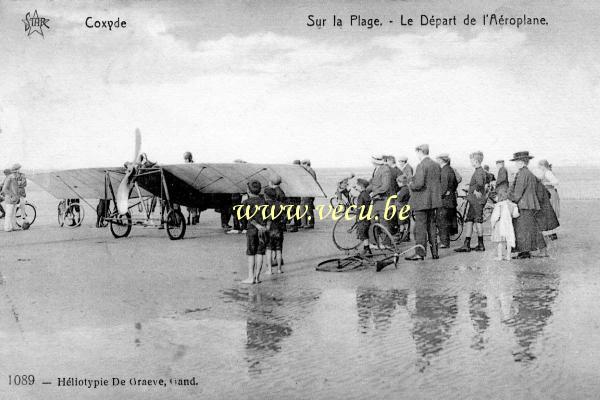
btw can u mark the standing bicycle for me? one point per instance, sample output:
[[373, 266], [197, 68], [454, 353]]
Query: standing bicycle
[[70, 213], [342, 196]]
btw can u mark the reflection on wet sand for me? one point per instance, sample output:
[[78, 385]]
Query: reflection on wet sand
[[376, 307], [531, 310], [433, 317], [479, 319], [268, 320]]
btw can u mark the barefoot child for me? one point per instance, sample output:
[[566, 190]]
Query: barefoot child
[[275, 226], [255, 233], [501, 220]]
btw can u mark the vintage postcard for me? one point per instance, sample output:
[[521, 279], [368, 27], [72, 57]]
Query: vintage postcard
[[306, 199]]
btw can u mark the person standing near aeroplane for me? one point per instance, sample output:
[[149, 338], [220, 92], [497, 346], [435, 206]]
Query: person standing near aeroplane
[[193, 212]]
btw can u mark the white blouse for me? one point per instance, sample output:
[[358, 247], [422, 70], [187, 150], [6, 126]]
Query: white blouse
[[549, 178]]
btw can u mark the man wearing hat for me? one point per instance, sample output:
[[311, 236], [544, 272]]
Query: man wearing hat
[[446, 215], [476, 198], [395, 172], [21, 183], [425, 199], [10, 193], [308, 220], [528, 237], [502, 176], [193, 212], [405, 167], [379, 188]]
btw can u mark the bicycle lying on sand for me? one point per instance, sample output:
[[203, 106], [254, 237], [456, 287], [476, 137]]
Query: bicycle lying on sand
[[385, 248]]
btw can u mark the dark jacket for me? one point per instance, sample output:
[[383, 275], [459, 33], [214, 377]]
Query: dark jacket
[[426, 188], [523, 190], [502, 177], [408, 171], [381, 181], [477, 184], [395, 173], [448, 184]]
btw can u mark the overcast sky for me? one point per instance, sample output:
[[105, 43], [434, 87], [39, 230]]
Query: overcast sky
[[250, 80]]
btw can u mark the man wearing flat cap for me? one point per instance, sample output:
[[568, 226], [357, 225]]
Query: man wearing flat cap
[[446, 214], [21, 183], [405, 167], [379, 187], [10, 194], [425, 199]]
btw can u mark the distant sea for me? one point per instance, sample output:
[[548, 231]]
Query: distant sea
[[575, 183]]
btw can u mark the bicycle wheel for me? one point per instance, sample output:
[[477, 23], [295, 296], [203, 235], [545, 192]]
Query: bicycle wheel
[[120, 225], [333, 201], [381, 237], [73, 216], [340, 264], [344, 234], [459, 227], [175, 222], [30, 215]]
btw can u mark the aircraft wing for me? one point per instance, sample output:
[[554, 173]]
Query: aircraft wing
[[211, 185], [195, 185], [234, 178], [83, 183]]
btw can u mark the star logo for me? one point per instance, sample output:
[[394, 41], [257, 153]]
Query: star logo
[[35, 23]]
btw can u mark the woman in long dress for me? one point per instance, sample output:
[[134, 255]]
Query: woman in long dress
[[523, 192], [549, 180]]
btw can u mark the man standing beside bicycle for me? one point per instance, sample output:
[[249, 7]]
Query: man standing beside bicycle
[[10, 193], [21, 183], [379, 188], [446, 214], [477, 198]]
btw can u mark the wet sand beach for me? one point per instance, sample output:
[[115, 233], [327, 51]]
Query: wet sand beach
[[78, 303]]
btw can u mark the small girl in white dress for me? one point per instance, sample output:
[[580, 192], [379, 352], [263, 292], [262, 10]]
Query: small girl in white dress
[[503, 232]]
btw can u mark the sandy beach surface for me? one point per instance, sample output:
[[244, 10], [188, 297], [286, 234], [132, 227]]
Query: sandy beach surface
[[79, 303]]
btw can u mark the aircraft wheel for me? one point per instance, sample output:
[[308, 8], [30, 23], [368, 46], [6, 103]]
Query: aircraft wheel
[[175, 222], [120, 225]]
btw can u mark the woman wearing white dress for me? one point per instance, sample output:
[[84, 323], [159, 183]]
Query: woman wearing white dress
[[503, 231]]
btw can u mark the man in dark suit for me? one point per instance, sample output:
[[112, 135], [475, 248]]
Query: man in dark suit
[[425, 199], [502, 178], [446, 215]]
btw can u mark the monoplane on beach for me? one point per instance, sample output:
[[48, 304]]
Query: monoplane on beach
[[199, 185]]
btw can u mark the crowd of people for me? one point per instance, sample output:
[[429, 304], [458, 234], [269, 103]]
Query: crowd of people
[[525, 211]]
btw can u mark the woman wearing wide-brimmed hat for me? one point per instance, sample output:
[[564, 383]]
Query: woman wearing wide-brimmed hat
[[524, 193]]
